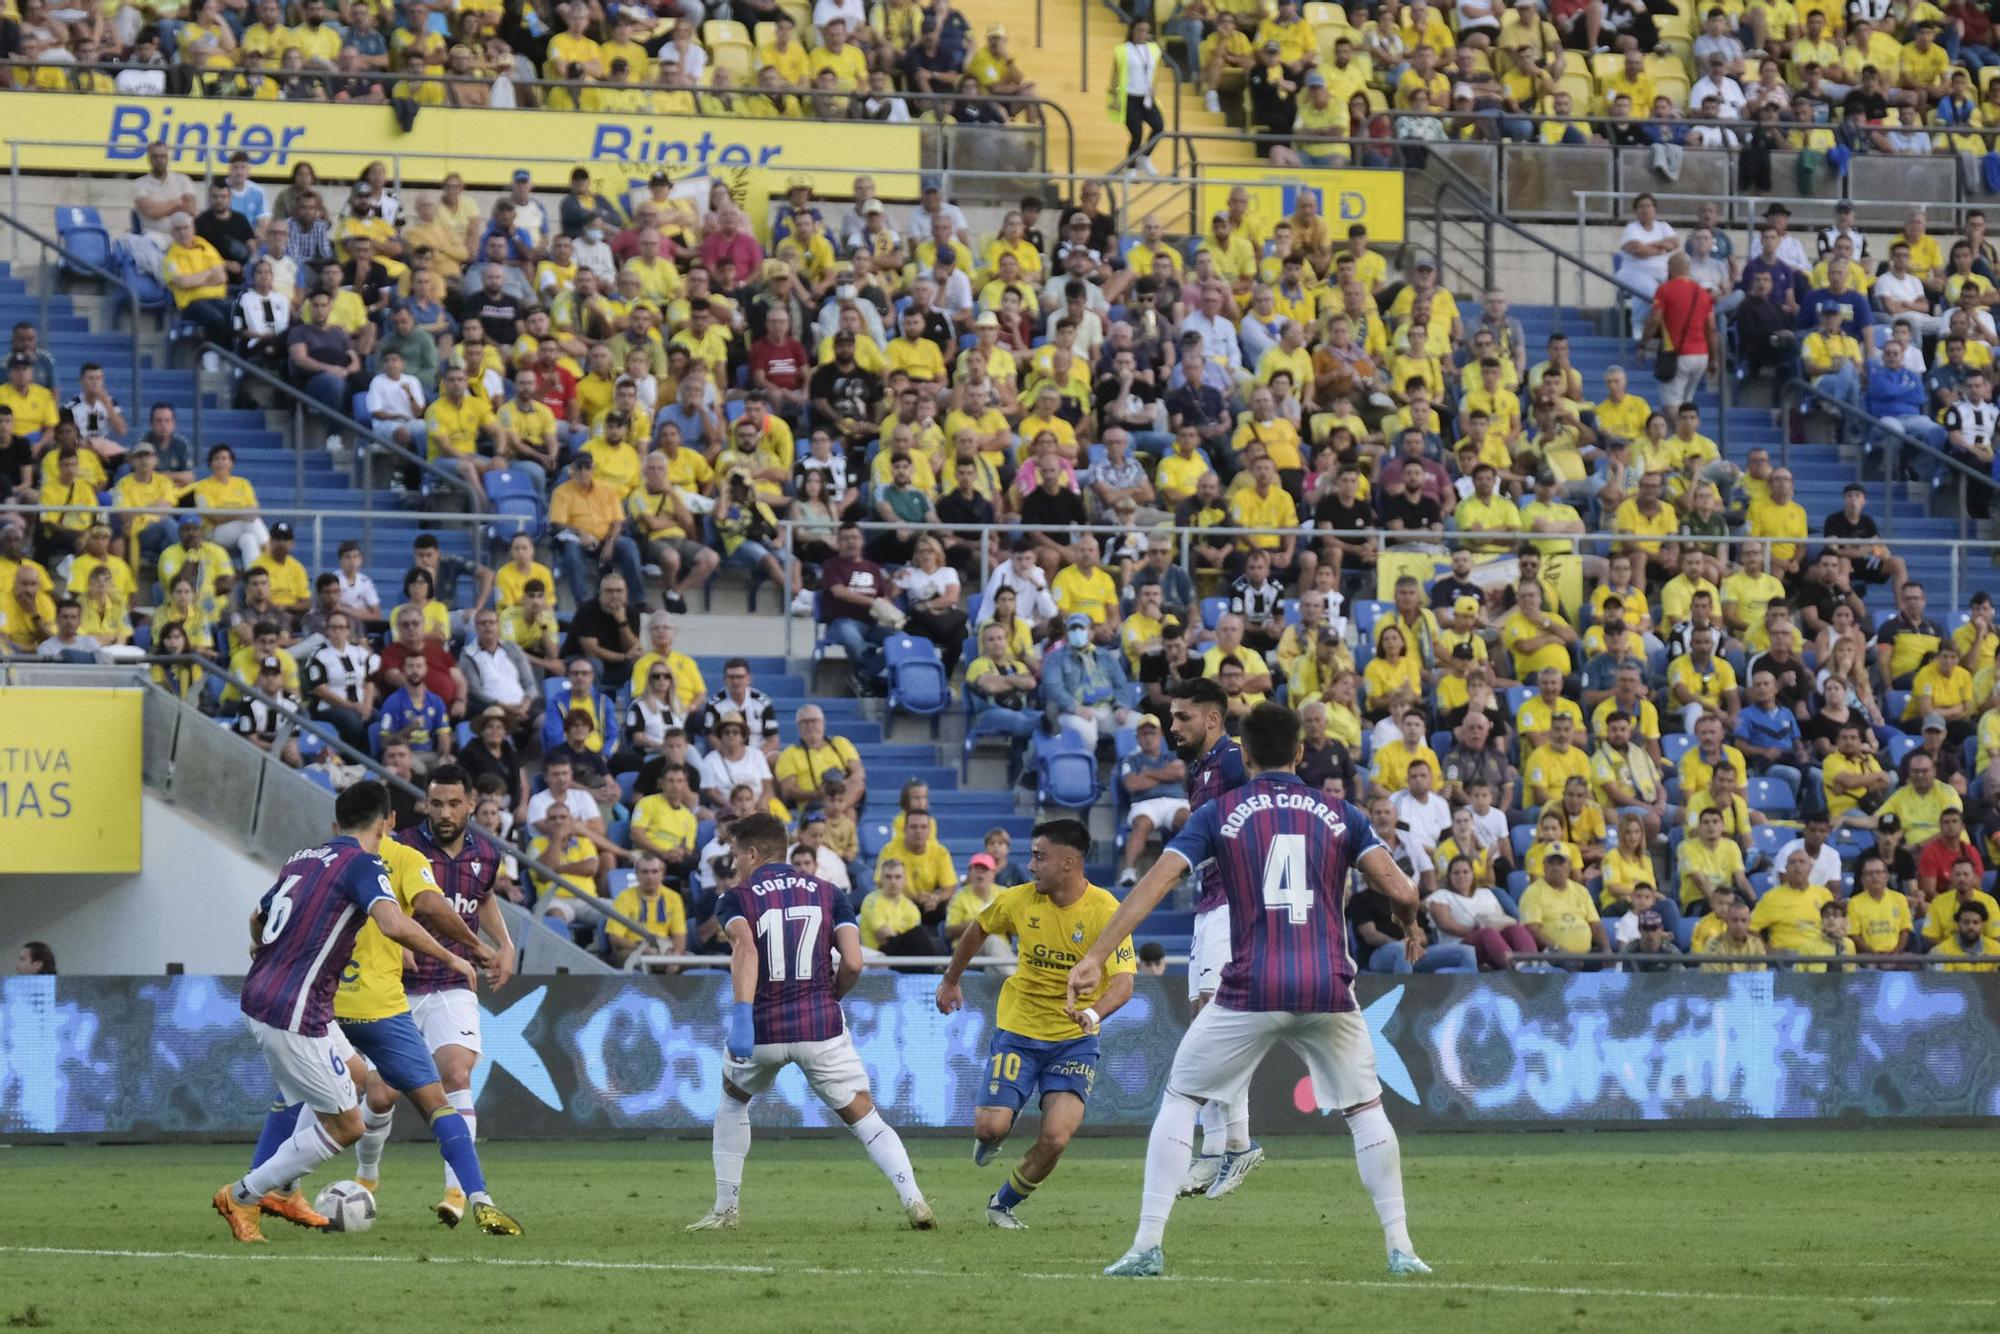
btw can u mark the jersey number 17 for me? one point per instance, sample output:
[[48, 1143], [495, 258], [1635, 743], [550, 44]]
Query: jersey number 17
[[771, 936]]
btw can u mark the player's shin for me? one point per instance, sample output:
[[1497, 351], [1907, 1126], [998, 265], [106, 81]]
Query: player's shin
[[461, 1101], [374, 1138], [886, 1151], [1167, 1151], [309, 1146], [455, 1143], [278, 1127], [1237, 1116], [1214, 1118], [1380, 1159], [730, 1146]]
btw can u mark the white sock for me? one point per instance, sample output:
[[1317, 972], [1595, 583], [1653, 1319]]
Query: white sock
[[309, 1146], [886, 1151], [374, 1138], [1167, 1153], [307, 1116], [731, 1146], [1380, 1160], [461, 1102], [1214, 1128], [1237, 1115]]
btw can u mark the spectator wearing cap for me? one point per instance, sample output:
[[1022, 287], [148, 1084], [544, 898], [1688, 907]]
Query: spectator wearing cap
[[741, 699], [1654, 939], [1558, 910], [1153, 782], [291, 591], [981, 884], [1084, 687], [261, 718]]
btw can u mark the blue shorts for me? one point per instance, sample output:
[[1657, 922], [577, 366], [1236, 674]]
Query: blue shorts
[[395, 1048], [1016, 1066]]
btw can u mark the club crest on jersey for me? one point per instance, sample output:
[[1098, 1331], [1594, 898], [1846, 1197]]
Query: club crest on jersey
[[1076, 936], [1034, 921]]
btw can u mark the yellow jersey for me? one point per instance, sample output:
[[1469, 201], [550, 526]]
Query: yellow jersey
[[1878, 923], [1791, 916], [1050, 941], [371, 986], [664, 914]]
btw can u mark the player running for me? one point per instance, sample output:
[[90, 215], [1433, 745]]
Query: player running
[[1199, 717], [462, 864], [1036, 1041], [785, 929], [302, 936], [1284, 852]]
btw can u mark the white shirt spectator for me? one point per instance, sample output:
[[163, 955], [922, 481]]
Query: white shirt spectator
[[582, 806], [395, 399], [265, 314], [1825, 867], [831, 869], [721, 774], [173, 187], [1089, 331], [922, 587], [1218, 335], [1032, 602], [1726, 90], [141, 81], [1653, 266], [499, 680], [1888, 286], [954, 296], [1053, 297], [852, 10], [1428, 821], [920, 220], [597, 257], [359, 592], [1712, 136]]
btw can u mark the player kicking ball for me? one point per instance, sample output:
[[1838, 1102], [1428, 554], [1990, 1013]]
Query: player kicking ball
[[460, 864], [786, 929], [1284, 852], [1199, 723], [1037, 1042], [302, 937]]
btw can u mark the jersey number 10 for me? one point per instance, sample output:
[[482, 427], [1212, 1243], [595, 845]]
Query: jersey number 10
[[1285, 883], [771, 935]]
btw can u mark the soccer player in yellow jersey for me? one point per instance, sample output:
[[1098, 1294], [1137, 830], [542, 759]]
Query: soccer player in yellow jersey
[[1036, 1045]]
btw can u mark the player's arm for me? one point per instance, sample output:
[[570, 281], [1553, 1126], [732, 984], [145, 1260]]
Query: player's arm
[[437, 916], [949, 996], [847, 944], [256, 930], [1140, 900], [743, 988], [400, 927], [1387, 878], [494, 923], [1116, 992]]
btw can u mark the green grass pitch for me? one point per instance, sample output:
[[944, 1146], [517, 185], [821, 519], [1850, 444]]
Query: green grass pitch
[[1766, 1230]]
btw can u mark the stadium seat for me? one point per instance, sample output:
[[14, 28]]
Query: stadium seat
[[1067, 767], [1673, 745], [515, 506], [1212, 610], [86, 242], [875, 836], [1899, 748], [918, 684], [1521, 837], [1770, 795], [1768, 838]]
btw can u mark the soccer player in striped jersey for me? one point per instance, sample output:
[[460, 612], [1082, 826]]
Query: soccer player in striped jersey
[[1284, 853], [1199, 714], [301, 938], [786, 931], [464, 864], [1038, 1046]]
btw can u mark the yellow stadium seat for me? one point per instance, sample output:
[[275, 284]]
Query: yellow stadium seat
[[739, 58], [1986, 78], [723, 30], [1323, 15], [1674, 86], [1678, 60], [1582, 90], [1377, 101], [1672, 25]]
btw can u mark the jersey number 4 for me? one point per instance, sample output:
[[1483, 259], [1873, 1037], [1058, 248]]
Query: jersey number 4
[[771, 933], [1285, 883]]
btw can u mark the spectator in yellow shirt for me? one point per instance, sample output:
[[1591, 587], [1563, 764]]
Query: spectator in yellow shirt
[[657, 908], [197, 277]]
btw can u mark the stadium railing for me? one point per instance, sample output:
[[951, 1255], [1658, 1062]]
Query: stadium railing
[[640, 962], [1900, 452], [74, 263], [1775, 961], [319, 530]]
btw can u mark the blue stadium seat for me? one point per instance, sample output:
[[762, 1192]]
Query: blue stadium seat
[[1067, 766], [1211, 611], [1366, 613], [875, 836], [1771, 796], [515, 505], [85, 238], [1673, 745], [1768, 838], [1900, 746], [918, 684], [1522, 837]]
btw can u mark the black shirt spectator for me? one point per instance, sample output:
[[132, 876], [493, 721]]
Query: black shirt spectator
[[375, 287], [594, 621], [1414, 515], [506, 766], [326, 343], [850, 392], [1329, 759], [231, 235], [1450, 588], [1054, 513], [1764, 335], [498, 313]]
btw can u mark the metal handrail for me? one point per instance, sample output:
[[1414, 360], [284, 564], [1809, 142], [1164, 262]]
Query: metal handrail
[[1774, 960], [84, 266], [312, 521], [302, 722], [1800, 390]]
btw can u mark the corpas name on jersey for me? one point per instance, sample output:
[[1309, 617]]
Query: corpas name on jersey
[[780, 884], [1283, 801]]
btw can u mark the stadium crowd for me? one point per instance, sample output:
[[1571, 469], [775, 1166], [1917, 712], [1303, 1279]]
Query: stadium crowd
[[1075, 473]]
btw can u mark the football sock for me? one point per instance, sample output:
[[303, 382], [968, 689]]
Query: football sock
[[374, 1138], [278, 1127], [455, 1143], [1380, 1159], [461, 1100], [885, 1150], [1167, 1152], [1015, 1190], [308, 1147], [731, 1145], [1237, 1115], [1214, 1127]]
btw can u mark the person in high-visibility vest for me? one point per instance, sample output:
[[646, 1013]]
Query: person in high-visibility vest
[[1135, 66]]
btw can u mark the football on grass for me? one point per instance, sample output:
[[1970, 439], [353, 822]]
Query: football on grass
[[348, 1206]]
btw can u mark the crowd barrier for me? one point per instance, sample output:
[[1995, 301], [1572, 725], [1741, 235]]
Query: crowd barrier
[[567, 1057]]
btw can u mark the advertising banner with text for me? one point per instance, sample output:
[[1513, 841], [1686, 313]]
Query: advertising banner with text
[[69, 781], [578, 1058]]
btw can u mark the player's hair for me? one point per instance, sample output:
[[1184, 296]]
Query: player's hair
[[450, 775], [361, 805], [1202, 692], [1067, 833], [761, 831], [1271, 736]]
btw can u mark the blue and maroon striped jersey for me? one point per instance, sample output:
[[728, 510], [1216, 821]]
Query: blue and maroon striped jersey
[[1282, 852], [1217, 772], [466, 881], [793, 916], [311, 917]]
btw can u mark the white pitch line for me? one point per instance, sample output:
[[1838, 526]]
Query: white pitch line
[[1412, 1285]]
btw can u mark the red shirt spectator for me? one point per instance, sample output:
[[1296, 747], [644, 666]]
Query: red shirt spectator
[[859, 579], [1935, 858], [730, 242], [1685, 307], [440, 674], [555, 388], [782, 363]]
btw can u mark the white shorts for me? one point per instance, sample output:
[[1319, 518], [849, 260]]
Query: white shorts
[[1222, 1049], [308, 1070], [448, 1018], [831, 1066], [1208, 951], [1160, 810]]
